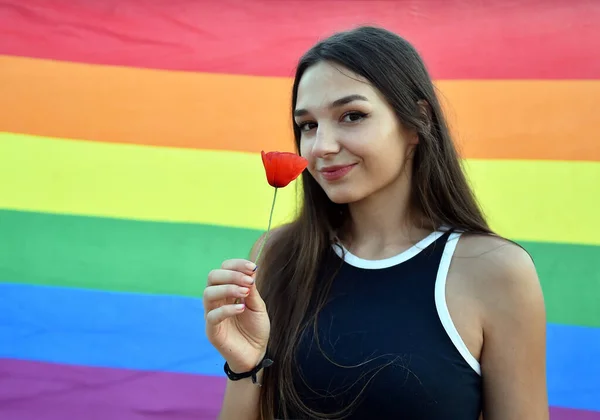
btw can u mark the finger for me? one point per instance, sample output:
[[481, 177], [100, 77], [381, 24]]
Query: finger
[[221, 313], [239, 264], [222, 276], [254, 301], [212, 294]]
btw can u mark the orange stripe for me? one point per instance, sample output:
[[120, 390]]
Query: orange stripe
[[491, 119]]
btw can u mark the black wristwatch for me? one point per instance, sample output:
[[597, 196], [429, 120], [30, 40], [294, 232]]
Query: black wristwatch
[[252, 373]]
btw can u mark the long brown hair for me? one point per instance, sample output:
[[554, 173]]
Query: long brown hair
[[293, 259]]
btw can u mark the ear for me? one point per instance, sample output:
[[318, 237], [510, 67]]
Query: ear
[[413, 138]]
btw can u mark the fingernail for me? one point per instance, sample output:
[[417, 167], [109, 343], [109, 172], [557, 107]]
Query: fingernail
[[244, 291], [240, 306], [255, 267], [248, 280], [251, 266]]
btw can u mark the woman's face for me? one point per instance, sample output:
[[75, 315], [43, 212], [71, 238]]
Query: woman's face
[[350, 135]]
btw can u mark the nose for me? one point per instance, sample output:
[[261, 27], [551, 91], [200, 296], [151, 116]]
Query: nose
[[325, 142]]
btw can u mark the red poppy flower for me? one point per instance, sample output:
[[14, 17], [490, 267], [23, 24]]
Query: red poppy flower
[[282, 167]]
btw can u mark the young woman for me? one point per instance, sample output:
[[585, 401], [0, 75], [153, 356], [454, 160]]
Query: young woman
[[389, 297]]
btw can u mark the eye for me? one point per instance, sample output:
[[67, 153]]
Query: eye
[[354, 116], [307, 125]]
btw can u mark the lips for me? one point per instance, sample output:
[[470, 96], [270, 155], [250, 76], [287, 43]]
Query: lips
[[332, 173]]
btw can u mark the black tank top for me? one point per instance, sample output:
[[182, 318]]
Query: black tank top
[[388, 343]]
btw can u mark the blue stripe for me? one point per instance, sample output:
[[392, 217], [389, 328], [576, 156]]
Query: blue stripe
[[166, 333]]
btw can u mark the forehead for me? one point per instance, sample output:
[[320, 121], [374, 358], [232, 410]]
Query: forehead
[[323, 83]]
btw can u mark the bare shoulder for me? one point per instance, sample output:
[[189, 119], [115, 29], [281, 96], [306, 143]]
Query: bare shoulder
[[502, 282], [492, 249], [496, 267]]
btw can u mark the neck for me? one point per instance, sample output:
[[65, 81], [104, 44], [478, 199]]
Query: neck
[[382, 224]]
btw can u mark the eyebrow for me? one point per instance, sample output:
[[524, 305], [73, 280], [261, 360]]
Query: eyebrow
[[335, 104]]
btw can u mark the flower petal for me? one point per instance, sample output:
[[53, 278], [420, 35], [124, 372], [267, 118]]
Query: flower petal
[[282, 168]]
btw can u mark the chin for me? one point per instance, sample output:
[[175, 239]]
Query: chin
[[343, 195]]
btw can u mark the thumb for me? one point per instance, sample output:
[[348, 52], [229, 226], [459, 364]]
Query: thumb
[[254, 301]]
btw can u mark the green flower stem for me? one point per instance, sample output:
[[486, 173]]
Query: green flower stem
[[269, 226]]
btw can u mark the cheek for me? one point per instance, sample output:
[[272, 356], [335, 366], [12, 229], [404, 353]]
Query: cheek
[[384, 161], [304, 149], [305, 152]]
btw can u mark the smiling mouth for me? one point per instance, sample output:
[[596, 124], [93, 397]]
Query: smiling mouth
[[335, 173]]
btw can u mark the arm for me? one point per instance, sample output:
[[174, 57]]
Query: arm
[[241, 400], [513, 359]]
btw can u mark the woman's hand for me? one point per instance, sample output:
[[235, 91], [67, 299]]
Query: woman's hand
[[239, 331]]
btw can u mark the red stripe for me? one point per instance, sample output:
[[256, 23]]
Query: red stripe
[[474, 39]]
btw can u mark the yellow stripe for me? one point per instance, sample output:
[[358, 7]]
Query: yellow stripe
[[534, 200], [528, 200], [137, 182]]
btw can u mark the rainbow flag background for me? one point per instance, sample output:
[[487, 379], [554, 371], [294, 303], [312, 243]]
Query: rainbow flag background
[[129, 167]]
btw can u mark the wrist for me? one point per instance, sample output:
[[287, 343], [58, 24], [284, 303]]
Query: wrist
[[246, 366], [254, 373]]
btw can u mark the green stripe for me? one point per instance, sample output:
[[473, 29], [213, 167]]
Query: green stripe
[[114, 254], [174, 258]]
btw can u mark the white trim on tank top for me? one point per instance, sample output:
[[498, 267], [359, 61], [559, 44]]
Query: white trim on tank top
[[406, 255], [442, 305], [440, 282]]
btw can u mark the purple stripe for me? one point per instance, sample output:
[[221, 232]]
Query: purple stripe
[[35, 391], [557, 413]]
